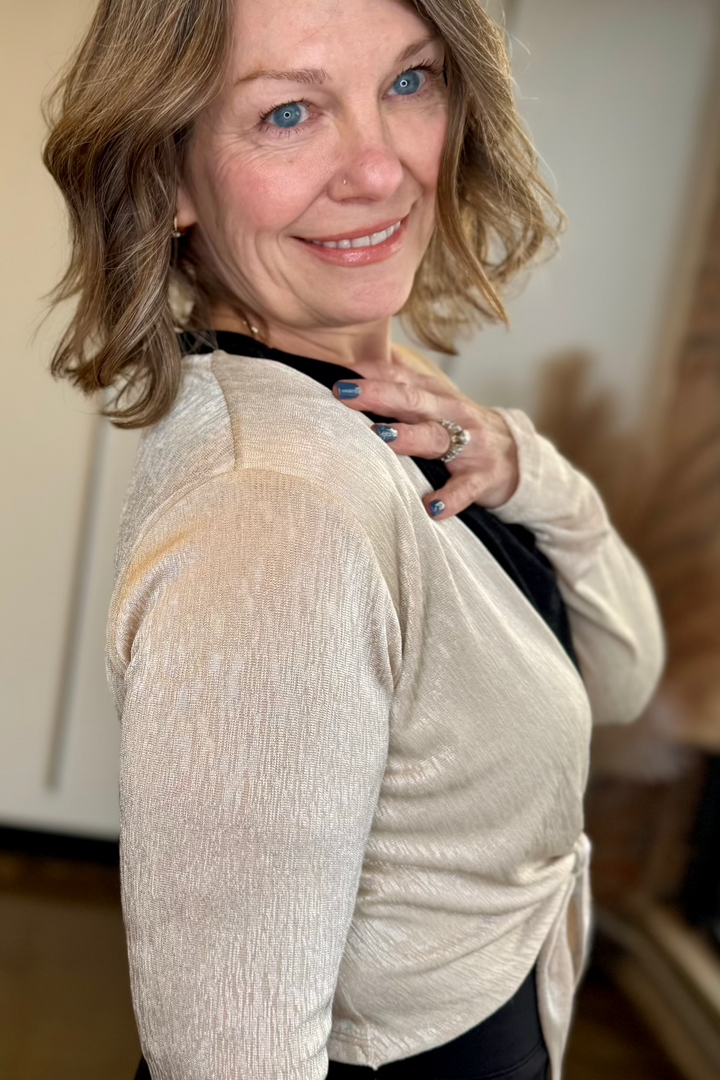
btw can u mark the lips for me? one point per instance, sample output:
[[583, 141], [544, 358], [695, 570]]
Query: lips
[[369, 240], [358, 249], [368, 237]]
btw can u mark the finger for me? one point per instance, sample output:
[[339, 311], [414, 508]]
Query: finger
[[401, 401], [399, 373], [486, 488], [426, 439], [449, 500], [401, 370]]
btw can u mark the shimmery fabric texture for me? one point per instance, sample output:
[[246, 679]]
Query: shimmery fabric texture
[[512, 545], [353, 753]]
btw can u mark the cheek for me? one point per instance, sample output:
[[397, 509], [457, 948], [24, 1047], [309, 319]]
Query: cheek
[[269, 192], [421, 145]]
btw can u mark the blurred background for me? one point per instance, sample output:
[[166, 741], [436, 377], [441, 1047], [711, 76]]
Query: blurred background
[[614, 350]]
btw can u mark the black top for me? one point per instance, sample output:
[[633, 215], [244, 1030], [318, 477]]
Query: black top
[[512, 546]]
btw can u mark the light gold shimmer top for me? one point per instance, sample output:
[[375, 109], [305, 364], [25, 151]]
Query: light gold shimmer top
[[353, 753]]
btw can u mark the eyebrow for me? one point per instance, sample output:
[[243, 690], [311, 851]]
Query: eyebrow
[[317, 76]]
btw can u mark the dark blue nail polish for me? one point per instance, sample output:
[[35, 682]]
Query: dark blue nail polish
[[436, 507], [386, 433], [347, 389]]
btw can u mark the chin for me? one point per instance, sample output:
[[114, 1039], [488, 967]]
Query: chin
[[367, 305]]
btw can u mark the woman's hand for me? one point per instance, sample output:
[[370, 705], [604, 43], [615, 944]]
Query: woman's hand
[[486, 470]]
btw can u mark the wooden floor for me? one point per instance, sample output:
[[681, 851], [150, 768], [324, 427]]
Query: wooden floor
[[609, 1040], [65, 1010]]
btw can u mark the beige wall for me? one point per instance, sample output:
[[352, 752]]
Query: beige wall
[[46, 435], [622, 99]]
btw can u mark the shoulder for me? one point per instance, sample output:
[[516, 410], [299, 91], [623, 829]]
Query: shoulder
[[192, 442], [237, 422]]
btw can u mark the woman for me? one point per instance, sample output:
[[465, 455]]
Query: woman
[[356, 675]]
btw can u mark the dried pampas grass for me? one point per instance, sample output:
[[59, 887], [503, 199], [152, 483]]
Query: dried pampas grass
[[665, 502]]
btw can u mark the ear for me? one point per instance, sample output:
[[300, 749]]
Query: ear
[[186, 213]]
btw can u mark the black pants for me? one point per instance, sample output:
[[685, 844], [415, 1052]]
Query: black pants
[[508, 1045]]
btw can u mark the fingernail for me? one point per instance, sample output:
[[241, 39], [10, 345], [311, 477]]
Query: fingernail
[[436, 507], [347, 389], [386, 433]]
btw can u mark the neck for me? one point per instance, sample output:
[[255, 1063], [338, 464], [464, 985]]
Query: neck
[[349, 346]]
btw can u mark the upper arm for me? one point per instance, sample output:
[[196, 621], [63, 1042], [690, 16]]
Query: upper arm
[[257, 685], [614, 617]]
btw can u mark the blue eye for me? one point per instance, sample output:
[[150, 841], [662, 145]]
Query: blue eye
[[408, 83], [287, 116]]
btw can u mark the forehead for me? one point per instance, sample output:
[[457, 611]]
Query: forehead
[[305, 33]]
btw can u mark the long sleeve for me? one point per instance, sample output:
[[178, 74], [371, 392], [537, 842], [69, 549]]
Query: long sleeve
[[614, 618], [253, 649]]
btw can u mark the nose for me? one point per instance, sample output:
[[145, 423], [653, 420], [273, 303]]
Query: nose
[[367, 161]]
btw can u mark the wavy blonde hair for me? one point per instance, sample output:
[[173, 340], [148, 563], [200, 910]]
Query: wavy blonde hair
[[121, 119]]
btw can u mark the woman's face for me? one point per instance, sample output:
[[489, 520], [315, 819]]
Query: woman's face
[[330, 128]]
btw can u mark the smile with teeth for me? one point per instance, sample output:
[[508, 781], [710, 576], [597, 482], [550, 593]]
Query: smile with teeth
[[361, 241]]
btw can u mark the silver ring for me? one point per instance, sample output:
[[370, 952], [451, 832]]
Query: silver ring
[[459, 438]]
